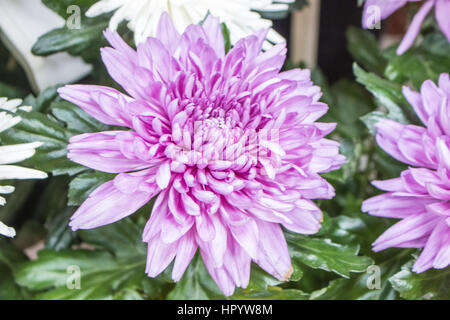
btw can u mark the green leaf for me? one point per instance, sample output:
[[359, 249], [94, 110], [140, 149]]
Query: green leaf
[[320, 80], [11, 92], [261, 280], [272, 293], [76, 118], [196, 284], [17, 200], [389, 167], [51, 156], [84, 41], [351, 102], [43, 101], [265, 287], [51, 207], [115, 270], [418, 64], [60, 236], [437, 44], [226, 36], [387, 94], [10, 258], [83, 185], [320, 253], [432, 284], [363, 287], [101, 274], [363, 46], [356, 229], [60, 6], [371, 119], [123, 239], [128, 294]]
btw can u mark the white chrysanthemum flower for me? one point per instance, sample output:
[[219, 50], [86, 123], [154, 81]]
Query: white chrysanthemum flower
[[14, 153], [143, 15]]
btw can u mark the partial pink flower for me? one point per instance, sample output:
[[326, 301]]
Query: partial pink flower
[[420, 197], [386, 7], [227, 143]]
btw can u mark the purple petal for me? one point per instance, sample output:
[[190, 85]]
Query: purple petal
[[159, 256], [107, 205], [117, 43], [404, 142], [442, 259], [213, 30], [432, 248], [444, 82], [389, 206], [442, 16], [104, 104], [305, 219], [102, 151], [414, 27], [415, 99], [385, 7], [411, 228], [163, 175], [431, 97], [122, 70], [167, 33], [187, 247], [216, 248], [273, 254], [247, 236]]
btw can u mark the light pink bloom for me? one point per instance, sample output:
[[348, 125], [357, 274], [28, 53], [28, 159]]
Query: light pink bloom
[[227, 143], [420, 197], [387, 7]]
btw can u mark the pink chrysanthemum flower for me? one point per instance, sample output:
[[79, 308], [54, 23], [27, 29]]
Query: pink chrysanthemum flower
[[227, 142], [420, 197], [374, 10]]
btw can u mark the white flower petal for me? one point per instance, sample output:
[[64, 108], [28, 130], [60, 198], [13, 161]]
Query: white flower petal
[[10, 105], [25, 108], [17, 152], [14, 153], [6, 189], [7, 231], [15, 172], [8, 120], [143, 15]]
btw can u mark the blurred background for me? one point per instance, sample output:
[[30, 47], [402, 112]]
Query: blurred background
[[317, 34]]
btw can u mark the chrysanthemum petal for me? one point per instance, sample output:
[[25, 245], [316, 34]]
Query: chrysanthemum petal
[[273, 254], [104, 104], [106, 151], [106, 205], [442, 10], [414, 27]]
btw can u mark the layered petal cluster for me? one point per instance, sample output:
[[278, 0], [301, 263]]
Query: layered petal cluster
[[375, 10], [12, 154], [420, 196], [239, 15], [227, 142]]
